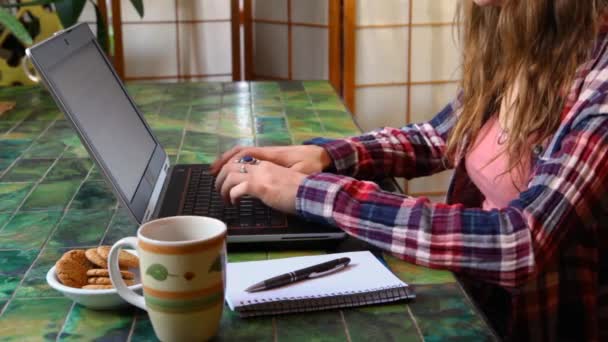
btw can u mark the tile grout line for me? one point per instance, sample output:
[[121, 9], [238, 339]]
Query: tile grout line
[[348, 338], [108, 226], [184, 131], [418, 330], [35, 184], [275, 331], [314, 108], [51, 233], [3, 173], [287, 126], [65, 321], [252, 117], [476, 309], [132, 329]]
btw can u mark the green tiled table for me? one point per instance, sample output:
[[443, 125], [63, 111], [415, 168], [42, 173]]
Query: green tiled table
[[52, 198]]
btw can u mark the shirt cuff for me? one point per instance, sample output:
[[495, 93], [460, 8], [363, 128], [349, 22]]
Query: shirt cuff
[[316, 196], [341, 151]]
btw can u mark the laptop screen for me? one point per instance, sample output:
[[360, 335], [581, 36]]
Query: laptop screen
[[104, 114]]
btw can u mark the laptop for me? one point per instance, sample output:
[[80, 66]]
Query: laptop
[[87, 89]]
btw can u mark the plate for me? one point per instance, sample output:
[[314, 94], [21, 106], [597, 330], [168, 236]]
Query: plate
[[104, 299]]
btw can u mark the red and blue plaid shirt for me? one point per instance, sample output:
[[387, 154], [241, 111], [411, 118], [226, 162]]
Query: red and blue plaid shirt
[[539, 267]]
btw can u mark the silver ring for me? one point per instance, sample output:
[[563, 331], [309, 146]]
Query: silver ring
[[247, 160], [243, 169]]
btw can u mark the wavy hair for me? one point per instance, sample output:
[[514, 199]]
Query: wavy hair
[[521, 57]]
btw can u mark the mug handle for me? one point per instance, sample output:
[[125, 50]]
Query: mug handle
[[123, 290]]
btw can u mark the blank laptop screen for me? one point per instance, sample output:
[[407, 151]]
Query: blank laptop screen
[[90, 91]]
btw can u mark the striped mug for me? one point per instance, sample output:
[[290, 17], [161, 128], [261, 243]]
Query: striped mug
[[182, 261]]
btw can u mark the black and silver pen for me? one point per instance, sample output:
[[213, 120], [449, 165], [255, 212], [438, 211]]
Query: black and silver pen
[[302, 274]]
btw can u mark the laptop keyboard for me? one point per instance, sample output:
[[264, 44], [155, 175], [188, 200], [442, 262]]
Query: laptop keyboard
[[203, 200]]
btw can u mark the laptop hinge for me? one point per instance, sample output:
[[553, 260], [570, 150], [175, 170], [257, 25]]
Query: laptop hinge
[[160, 181]]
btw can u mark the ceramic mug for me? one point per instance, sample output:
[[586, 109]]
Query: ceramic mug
[[182, 261]]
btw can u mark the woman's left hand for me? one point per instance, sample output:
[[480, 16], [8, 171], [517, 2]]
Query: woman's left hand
[[275, 185]]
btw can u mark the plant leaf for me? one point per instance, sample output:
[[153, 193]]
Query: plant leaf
[[69, 11], [158, 272], [217, 265], [12, 24], [139, 7], [102, 30]]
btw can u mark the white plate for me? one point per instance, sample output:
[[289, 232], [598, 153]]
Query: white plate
[[94, 299]]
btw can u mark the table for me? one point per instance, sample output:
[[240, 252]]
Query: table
[[52, 198]]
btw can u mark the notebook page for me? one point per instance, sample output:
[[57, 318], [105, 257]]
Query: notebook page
[[364, 273]]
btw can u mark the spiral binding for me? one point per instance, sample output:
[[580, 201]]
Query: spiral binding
[[334, 300]]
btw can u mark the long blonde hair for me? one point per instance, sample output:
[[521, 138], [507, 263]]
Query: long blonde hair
[[534, 46]]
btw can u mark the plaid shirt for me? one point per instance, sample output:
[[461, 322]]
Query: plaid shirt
[[539, 267]]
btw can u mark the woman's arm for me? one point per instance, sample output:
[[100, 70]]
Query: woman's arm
[[500, 246], [413, 151]]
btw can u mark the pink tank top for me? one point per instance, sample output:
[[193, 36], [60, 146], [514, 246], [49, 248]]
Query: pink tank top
[[487, 171]]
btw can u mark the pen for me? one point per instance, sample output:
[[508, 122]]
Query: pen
[[299, 275]]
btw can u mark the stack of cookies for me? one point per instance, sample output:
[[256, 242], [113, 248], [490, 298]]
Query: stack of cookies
[[88, 269]]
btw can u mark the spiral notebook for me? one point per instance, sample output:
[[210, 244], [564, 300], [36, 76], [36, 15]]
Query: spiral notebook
[[364, 281]]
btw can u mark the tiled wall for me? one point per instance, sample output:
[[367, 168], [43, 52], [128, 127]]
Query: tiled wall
[[290, 39], [175, 40], [406, 59], [406, 68]]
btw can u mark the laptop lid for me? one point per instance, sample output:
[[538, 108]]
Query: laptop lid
[[87, 89]]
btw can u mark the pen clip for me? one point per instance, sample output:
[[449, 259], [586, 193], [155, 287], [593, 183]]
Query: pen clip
[[320, 274]]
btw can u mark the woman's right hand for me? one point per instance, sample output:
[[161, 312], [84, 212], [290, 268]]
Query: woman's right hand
[[306, 159]]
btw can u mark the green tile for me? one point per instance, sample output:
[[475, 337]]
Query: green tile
[[318, 86], [228, 143], [45, 147], [76, 151], [16, 114], [4, 218], [89, 325], [417, 275], [234, 328], [291, 254], [51, 196], [390, 322], [47, 114], [34, 284], [246, 256], [317, 326], [170, 139], [143, 330], [95, 174], [5, 164], [69, 169], [94, 195], [34, 319], [27, 170], [203, 142], [12, 194], [11, 149], [120, 227], [27, 130], [81, 228], [265, 125], [28, 230], [5, 126], [442, 312], [191, 157], [13, 265]]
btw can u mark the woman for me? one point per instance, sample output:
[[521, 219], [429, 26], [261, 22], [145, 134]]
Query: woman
[[524, 226]]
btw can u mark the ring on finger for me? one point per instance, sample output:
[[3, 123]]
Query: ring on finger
[[243, 169], [247, 160]]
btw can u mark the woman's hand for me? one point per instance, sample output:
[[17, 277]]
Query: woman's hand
[[307, 159], [275, 185]]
